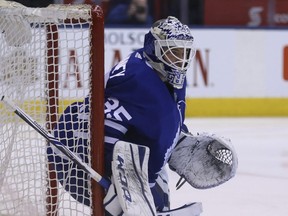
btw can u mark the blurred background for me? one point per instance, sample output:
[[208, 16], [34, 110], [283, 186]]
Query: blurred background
[[240, 13]]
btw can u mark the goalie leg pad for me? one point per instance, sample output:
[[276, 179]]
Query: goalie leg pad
[[130, 175]]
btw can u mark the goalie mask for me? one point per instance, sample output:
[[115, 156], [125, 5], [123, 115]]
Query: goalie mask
[[204, 161], [168, 47]]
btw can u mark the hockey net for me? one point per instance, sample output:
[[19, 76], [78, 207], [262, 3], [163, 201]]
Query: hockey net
[[49, 58]]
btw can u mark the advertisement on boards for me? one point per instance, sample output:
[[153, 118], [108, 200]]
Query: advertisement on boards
[[228, 62]]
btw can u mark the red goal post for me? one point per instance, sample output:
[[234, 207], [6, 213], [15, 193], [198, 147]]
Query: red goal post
[[34, 59]]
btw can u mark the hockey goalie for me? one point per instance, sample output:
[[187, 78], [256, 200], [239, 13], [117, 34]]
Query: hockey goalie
[[145, 130]]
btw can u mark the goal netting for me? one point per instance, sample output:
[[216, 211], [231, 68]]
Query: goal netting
[[49, 58]]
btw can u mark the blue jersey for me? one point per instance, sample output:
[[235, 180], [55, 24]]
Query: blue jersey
[[139, 108]]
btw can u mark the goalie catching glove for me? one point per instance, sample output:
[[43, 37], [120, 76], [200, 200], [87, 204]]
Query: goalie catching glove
[[204, 161]]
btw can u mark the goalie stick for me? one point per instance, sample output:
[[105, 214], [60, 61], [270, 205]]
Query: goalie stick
[[193, 209]]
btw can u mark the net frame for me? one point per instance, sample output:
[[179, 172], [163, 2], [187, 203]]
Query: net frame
[[96, 91]]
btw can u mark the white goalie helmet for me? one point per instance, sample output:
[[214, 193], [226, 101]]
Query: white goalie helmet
[[168, 47]]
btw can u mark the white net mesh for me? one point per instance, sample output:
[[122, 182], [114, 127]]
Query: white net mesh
[[25, 59]]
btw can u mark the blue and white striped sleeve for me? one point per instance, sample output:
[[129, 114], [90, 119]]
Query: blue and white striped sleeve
[[113, 131]]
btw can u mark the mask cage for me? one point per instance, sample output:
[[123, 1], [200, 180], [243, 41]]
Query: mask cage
[[176, 54]]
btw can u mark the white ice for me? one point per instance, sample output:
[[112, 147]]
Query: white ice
[[260, 187]]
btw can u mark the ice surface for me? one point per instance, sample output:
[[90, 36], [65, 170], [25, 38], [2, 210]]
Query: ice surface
[[260, 187]]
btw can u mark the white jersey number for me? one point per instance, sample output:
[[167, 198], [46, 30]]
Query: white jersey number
[[115, 111]]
